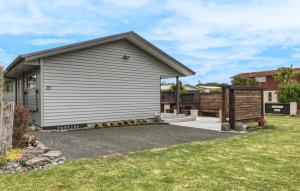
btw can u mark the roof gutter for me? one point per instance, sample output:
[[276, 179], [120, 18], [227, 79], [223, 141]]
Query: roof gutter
[[17, 61]]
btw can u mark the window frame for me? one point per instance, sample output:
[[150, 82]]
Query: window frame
[[29, 78]]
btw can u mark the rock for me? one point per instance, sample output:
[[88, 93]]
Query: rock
[[225, 127], [33, 151], [61, 162], [38, 161], [15, 165], [52, 154], [240, 126], [54, 163], [19, 169]]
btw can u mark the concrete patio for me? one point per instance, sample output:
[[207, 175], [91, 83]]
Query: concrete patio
[[209, 123]]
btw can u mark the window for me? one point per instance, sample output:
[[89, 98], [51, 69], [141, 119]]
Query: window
[[261, 79], [31, 81], [270, 96], [7, 88]]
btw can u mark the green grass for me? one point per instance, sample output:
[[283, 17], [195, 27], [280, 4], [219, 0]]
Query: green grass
[[260, 160]]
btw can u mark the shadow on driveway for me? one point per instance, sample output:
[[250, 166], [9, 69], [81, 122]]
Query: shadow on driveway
[[106, 141]]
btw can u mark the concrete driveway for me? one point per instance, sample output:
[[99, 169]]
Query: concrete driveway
[[106, 141]]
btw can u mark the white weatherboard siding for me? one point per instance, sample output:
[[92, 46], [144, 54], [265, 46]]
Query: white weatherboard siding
[[96, 84]]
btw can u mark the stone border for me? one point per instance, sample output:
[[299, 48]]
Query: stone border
[[38, 158]]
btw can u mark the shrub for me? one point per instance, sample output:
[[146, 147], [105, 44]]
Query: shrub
[[30, 141], [104, 124], [23, 163], [20, 128], [13, 154], [257, 127], [3, 161], [289, 92]]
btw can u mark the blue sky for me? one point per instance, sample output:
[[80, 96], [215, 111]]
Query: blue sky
[[217, 39]]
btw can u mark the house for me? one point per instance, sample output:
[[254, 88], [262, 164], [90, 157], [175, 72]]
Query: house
[[187, 87], [92, 81], [267, 81], [206, 88]]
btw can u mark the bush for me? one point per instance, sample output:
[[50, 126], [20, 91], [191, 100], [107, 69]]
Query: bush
[[13, 154], [3, 161], [20, 128], [289, 92]]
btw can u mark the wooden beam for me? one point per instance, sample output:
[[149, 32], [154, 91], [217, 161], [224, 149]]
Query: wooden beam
[[177, 95], [262, 104], [223, 104], [232, 108]]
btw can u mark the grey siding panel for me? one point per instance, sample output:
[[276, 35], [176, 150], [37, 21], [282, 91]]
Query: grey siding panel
[[96, 84]]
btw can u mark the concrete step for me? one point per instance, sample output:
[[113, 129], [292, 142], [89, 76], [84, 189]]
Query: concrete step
[[181, 119], [171, 116]]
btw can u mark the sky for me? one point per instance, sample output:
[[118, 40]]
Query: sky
[[217, 39]]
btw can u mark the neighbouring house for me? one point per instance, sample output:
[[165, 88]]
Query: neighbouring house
[[106, 79], [267, 81], [187, 87], [207, 89]]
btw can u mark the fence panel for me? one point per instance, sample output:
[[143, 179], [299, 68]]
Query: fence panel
[[6, 126], [245, 104]]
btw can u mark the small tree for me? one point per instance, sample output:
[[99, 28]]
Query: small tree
[[289, 92], [286, 75], [289, 88], [240, 81], [181, 87]]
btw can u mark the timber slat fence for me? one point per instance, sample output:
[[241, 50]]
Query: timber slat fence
[[238, 104]]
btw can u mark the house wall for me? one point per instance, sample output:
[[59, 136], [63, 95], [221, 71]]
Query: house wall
[[271, 84], [96, 84], [272, 96]]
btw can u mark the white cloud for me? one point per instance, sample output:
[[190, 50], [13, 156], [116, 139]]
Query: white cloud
[[128, 3], [218, 35], [47, 41]]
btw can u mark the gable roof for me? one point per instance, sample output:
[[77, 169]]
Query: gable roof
[[260, 74], [131, 36]]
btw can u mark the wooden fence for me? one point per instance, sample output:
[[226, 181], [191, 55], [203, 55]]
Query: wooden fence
[[188, 100], [210, 103], [244, 104], [238, 104], [6, 126]]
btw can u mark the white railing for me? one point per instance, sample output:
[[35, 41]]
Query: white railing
[[6, 126]]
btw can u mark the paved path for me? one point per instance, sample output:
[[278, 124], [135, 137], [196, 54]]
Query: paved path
[[106, 141], [209, 123]]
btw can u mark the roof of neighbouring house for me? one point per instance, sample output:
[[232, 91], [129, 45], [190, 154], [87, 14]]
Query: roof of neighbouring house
[[186, 87], [260, 74], [131, 36], [207, 87]]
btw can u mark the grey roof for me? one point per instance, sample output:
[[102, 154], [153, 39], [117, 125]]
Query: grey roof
[[98, 41]]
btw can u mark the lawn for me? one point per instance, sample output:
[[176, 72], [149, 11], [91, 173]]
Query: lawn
[[260, 160]]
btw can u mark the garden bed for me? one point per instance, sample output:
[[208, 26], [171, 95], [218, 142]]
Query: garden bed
[[32, 157]]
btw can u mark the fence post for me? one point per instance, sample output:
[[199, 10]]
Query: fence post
[[262, 104], [2, 140], [6, 126], [232, 108], [223, 116], [293, 108]]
